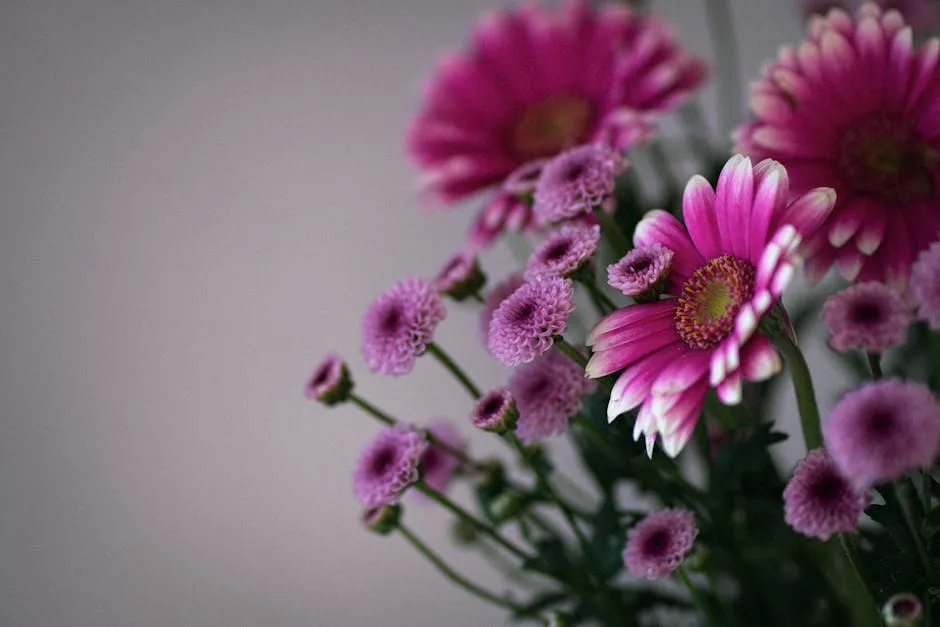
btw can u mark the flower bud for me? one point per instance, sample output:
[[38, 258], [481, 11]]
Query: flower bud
[[460, 277], [382, 519], [463, 532], [902, 610], [495, 412], [330, 383], [555, 619], [504, 507]]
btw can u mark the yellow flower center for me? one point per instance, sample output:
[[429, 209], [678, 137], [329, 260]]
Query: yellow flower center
[[710, 300]]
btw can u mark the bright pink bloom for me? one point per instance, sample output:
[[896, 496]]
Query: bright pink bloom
[[563, 252], [818, 501], [868, 316], [437, 466], [856, 108], [925, 285], [731, 262], [538, 79], [659, 543]]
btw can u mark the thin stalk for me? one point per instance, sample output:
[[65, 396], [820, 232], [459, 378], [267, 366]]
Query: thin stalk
[[727, 57], [372, 410], [874, 362], [613, 234], [601, 300], [867, 613], [597, 438], [663, 167], [697, 599], [469, 518], [803, 386], [452, 575], [455, 370], [569, 350], [477, 297], [912, 529]]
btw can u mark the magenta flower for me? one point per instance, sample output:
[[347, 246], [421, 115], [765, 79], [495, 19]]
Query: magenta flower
[[526, 323], [500, 292], [731, 262], [818, 501], [868, 316], [881, 430], [398, 325], [925, 285], [548, 393], [576, 182], [330, 383], [642, 272], [437, 466], [388, 465], [563, 252], [495, 411], [460, 277], [855, 108], [538, 79], [659, 543]]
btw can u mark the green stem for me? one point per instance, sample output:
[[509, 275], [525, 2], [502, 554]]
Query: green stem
[[730, 94], [472, 520], [603, 302], [613, 234], [862, 603], [455, 370], [597, 438], [697, 598], [912, 529], [452, 575], [803, 386], [874, 362], [569, 350], [371, 409], [661, 164], [477, 297]]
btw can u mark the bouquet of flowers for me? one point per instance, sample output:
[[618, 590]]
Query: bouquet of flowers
[[552, 116]]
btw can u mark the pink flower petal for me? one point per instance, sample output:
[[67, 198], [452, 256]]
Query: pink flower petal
[[659, 227], [698, 210], [759, 359], [734, 198]]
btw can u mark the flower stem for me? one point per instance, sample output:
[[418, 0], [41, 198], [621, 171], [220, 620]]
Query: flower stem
[[477, 297], [863, 605], [601, 300], [597, 439], [455, 370], [874, 362], [613, 234], [451, 574], [697, 598], [912, 529], [467, 517], [660, 161], [569, 350], [803, 386], [718, 13], [371, 409]]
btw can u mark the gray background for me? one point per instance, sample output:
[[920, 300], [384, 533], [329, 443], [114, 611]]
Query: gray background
[[198, 200]]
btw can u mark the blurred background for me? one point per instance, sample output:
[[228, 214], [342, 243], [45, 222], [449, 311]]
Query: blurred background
[[198, 201]]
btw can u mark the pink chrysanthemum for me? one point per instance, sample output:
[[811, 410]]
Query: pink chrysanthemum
[[538, 79], [526, 323], [731, 262], [868, 316], [398, 325], [388, 465], [563, 252], [495, 411], [855, 108], [576, 182], [460, 277], [330, 383], [548, 393], [818, 501], [500, 292], [881, 430], [642, 271], [659, 543], [925, 285], [437, 466], [503, 212]]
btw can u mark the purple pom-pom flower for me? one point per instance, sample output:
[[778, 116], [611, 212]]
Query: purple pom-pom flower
[[398, 325], [868, 316], [642, 272], [495, 411], [819, 501], [526, 323], [500, 292], [659, 543], [881, 430], [577, 181], [925, 285], [563, 252], [330, 383], [388, 466], [548, 393]]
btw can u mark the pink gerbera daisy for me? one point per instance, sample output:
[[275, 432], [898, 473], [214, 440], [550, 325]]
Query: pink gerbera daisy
[[731, 262], [856, 108], [538, 79]]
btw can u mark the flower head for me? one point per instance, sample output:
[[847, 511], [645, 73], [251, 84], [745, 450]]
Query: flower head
[[460, 277], [437, 465], [576, 182], [503, 212], [500, 292], [868, 316], [548, 393], [881, 430], [388, 465], [398, 325], [642, 272], [731, 262], [383, 519], [925, 285], [659, 543], [819, 501], [526, 323], [330, 383], [538, 79], [903, 610], [563, 252], [854, 108], [495, 411]]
